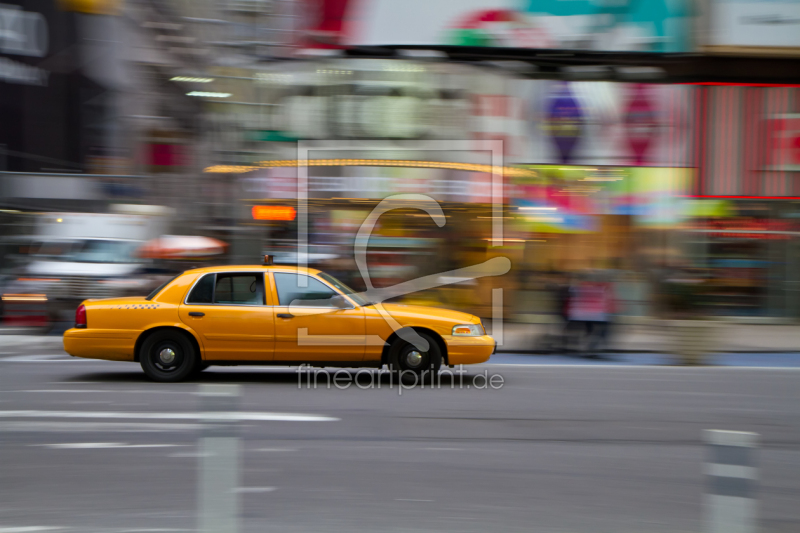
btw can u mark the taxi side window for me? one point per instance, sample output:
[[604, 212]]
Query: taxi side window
[[239, 289], [314, 294], [203, 291]]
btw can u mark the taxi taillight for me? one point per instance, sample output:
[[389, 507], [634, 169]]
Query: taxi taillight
[[80, 316]]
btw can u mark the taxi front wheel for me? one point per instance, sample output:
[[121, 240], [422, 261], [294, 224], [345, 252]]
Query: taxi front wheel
[[168, 357], [413, 364]]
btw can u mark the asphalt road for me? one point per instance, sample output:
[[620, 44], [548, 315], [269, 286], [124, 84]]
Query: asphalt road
[[94, 447]]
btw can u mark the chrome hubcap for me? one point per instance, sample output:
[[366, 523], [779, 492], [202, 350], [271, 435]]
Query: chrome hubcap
[[167, 356], [414, 358]]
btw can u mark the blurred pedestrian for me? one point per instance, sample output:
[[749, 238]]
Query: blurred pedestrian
[[554, 340], [590, 308]]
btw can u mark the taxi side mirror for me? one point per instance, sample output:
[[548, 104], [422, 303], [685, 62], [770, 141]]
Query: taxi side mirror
[[339, 302]]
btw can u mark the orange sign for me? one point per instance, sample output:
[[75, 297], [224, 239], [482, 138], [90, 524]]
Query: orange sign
[[273, 212]]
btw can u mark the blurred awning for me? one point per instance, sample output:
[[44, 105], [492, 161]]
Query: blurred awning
[[181, 247]]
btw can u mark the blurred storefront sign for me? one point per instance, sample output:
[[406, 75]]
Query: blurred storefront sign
[[746, 228], [372, 183], [164, 155], [546, 121], [366, 99], [566, 199], [100, 163], [497, 113], [747, 142], [754, 24], [603, 123], [68, 191], [563, 120], [323, 23], [55, 187], [165, 150], [270, 136], [784, 142], [655, 25], [25, 34], [93, 7], [273, 212], [641, 121], [22, 33]]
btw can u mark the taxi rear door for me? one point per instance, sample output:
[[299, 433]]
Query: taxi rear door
[[229, 312]]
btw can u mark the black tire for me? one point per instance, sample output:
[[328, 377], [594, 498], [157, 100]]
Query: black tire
[[163, 366], [402, 357], [199, 367]]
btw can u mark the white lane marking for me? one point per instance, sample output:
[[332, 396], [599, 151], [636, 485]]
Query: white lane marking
[[445, 449], [49, 361], [230, 416], [275, 450], [747, 472], [96, 445], [253, 490], [150, 530], [102, 427], [44, 358], [28, 529], [154, 391], [410, 500]]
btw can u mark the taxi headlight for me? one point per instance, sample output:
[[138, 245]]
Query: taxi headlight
[[467, 330]]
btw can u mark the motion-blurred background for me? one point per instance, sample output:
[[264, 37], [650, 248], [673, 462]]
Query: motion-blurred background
[[653, 145]]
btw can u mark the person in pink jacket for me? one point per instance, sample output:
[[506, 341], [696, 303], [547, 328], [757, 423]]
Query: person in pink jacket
[[591, 305]]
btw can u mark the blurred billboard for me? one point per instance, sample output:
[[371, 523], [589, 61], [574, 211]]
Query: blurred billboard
[[756, 25], [606, 123], [654, 26], [560, 199]]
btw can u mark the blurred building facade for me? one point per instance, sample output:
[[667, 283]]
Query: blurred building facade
[[630, 166]]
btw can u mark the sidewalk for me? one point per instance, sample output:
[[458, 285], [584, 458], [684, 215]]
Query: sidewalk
[[657, 336]]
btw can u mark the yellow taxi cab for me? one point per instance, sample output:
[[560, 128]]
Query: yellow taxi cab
[[270, 315]]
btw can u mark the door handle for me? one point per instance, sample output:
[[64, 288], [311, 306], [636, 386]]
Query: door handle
[[285, 315], [196, 313]]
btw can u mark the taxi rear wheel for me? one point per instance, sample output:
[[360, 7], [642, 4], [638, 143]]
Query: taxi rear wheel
[[413, 364], [168, 357]]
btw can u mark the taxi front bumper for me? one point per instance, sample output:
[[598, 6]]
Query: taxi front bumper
[[469, 350]]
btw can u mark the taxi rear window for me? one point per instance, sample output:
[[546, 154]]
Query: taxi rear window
[[203, 291]]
